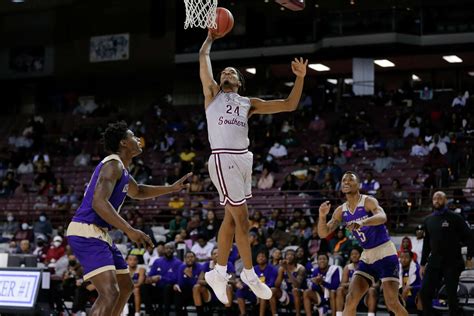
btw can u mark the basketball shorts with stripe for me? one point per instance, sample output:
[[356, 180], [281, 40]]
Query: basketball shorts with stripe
[[231, 174]]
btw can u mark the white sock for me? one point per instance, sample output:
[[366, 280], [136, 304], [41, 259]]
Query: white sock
[[338, 313], [369, 314], [321, 311], [222, 270]]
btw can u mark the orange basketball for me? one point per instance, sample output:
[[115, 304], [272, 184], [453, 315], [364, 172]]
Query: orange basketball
[[224, 20]]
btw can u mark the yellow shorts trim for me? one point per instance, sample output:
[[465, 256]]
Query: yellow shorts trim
[[89, 231], [95, 272], [372, 255], [365, 275], [122, 271]]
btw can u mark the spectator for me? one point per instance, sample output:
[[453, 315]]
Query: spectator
[[41, 248], [278, 150], [137, 273], [370, 185], [469, 188], [193, 225], [315, 244], [60, 199], [13, 247], [407, 246], [410, 279], [202, 249], [201, 291], [140, 172], [439, 166], [152, 254], [460, 100], [255, 246], [419, 149], [412, 126], [161, 279], [290, 279], [210, 226], [289, 184], [340, 247], [25, 247], [25, 167], [166, 143], [9, 227], [10, 183], [384, 162], [82, 159], [325, 280], [339, 157], [188, 275], [176, 225], [56, 250], [310, 184], [266, 180], [441, 145], [24, 232], [417, 242], [334, 170], [43, 226], [280, 236], [176, 202], [276, 258], [266, 273], [317, 124], [196, 184]]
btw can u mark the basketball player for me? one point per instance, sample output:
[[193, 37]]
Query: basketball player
[[99, 211], [366, 219], [230, 165]]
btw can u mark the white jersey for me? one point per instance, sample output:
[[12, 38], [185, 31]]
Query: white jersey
[[227, 122]]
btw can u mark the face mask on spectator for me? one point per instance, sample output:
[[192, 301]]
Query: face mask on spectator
[[10, 218], [42, 218], [56, 244], [24, 226]]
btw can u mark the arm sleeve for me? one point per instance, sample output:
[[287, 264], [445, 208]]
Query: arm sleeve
[[426, 245]]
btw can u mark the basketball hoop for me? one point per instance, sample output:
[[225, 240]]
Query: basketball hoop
[[200, 13]]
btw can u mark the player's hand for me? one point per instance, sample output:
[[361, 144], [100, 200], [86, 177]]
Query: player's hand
[[298, 66], [354, 226], [284, 264], [179, 185], [213, 36], [140, 238], [324, 208]]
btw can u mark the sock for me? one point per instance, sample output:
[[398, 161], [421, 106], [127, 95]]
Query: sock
[[338, 313], [222, 270], [250, 274], [321, 311], [369, 314]]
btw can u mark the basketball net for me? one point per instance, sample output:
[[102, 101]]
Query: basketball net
[[200, 13]]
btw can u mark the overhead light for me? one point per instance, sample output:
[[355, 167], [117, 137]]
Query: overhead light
[[452, 59], [319, 67], [252, 71], [333, 81], [348, 81], [18, 1], [384, 63], [415, 77], [471, 73], [289, 83]]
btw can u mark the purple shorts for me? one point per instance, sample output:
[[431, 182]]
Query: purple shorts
[[246, 294], [97, 256], [385, 269]]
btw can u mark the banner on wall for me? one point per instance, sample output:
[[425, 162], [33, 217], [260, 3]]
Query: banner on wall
[[109, 48]]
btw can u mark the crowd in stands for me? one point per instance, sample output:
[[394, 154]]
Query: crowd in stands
[[303, 270]]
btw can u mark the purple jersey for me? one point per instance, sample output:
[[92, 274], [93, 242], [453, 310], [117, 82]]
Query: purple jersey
[[368, 236], [85, 213]]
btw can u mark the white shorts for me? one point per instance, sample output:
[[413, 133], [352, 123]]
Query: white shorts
[[231, 174]]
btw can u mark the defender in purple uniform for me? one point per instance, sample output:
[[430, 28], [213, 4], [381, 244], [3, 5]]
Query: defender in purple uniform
[[363, 215], [88, 234]]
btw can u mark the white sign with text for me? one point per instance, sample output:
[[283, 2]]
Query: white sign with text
[[19, 288]]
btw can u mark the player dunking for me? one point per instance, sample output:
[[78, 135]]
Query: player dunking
[[230, 164], [87, 233], [363, 215]]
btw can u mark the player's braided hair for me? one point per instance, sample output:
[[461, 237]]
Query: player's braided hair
[[113, 134]]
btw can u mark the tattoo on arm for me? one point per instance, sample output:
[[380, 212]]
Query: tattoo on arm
[[333, 224]]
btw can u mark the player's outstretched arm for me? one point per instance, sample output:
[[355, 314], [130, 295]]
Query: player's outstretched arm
[[325, 228], [259, 106], [108, 177], [143, 191], [209, 86]]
